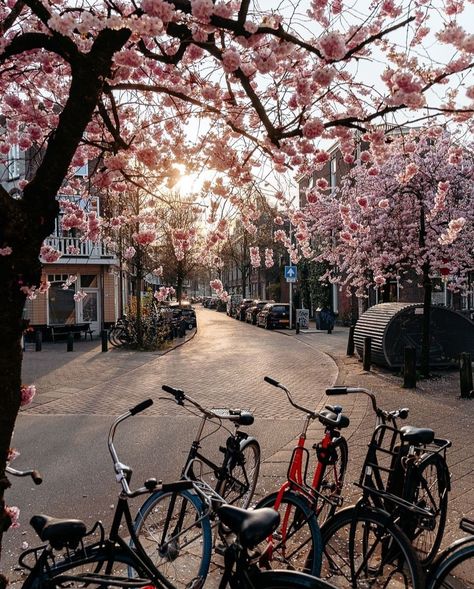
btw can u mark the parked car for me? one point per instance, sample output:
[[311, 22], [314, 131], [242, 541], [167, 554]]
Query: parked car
[[244, 304], [274, 315], [252, 311]]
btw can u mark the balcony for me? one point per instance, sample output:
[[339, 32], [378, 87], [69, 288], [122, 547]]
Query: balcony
[[74, 248]]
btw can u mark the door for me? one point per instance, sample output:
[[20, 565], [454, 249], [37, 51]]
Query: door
[[89, 311]]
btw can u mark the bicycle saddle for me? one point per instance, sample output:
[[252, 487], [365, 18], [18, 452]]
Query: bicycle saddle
[[59, 532], [417, 435], [332, 419], [251, 526]]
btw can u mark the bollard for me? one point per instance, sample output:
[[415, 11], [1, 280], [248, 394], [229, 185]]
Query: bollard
[[367, 353], [297, 327], [38, 340], [350, 342], [465, 373], [104, 336], [70, 342], [409, 368]]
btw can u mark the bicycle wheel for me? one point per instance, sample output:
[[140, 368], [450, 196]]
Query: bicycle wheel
[[118, 336], [364, 548], [97, 562], [427, 488], [288, 580], [238, 487], [332, 481], [175, 535], [297, 541], [454, 572]]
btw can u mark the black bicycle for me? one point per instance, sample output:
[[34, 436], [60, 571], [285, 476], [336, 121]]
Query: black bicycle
[[373, 543], [73, 556], [408, 463], [173, 526], [241, 560], [454, 567]]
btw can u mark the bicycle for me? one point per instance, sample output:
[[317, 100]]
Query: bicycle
[[241, 568], [303, 506], [166, 522], [74, 556], [417, 473], [120, 334], [454, 567], [373, 543]]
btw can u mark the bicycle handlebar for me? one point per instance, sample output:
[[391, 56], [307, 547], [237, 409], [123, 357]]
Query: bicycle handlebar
[[34, 474], [122, 471], [311, 414], [381, 413], [181, 396]]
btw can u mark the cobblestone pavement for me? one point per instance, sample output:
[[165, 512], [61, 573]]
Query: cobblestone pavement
[[224, 364]]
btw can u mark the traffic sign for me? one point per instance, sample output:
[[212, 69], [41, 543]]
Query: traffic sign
[[291, 273]]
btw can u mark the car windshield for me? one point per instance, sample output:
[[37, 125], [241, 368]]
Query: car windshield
[[280, 308]]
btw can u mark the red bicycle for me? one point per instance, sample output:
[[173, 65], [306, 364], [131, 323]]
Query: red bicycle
[[297, 542]]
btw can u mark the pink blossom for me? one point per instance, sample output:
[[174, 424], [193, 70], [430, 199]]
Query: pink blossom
[[158, 271], [332, 46], [269, 262], [144, 237], [129, 252], [255, 259], [79, 296], [313, 128], [230, 60], [216, 285], [202, 10], [278, 221], [6, 251], [363, 202], [322, 184], [13, 513], [48, 254], [379, 280], [27, 394], [383, 203]]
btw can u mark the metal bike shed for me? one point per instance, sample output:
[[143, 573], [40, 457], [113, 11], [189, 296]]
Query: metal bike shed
[[394, 326]]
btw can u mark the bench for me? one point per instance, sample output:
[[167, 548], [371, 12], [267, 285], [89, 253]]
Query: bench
[[75, 328]]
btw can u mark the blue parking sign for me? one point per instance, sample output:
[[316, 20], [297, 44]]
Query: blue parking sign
[[291, 273]]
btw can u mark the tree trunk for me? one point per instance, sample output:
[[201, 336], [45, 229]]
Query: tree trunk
[[425, 334]]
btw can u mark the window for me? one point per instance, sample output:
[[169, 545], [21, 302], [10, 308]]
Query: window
[[82, 171], [333, 170], [88, 280], [61, 304], [13, 162]]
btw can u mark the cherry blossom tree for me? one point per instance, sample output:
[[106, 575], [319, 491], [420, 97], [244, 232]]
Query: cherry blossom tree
[[120, 84], [408, 217]]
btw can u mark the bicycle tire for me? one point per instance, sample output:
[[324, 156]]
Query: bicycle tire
[[304, 552], [428, 488], [187, 554], [121, 564], [289, 580], [350, 560], [332, 481], [239, 487], [454, 570]]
